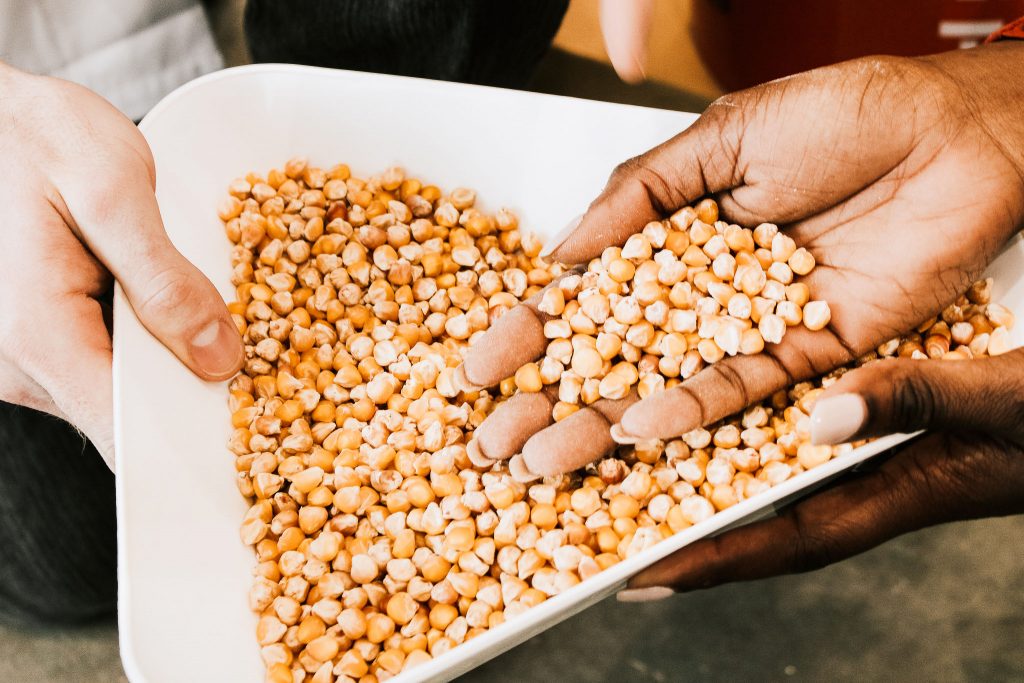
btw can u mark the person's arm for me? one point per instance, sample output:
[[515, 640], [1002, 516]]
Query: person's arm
[[903, 177], [77, 209]]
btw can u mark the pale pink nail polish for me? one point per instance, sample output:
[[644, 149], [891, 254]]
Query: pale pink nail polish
[[836, 419], [462, 382], [649, 594], [519, 471], [621, 436], [560, 237], [477, 456]]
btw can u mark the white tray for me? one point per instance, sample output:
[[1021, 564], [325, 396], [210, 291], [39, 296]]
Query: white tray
[[183, 573]]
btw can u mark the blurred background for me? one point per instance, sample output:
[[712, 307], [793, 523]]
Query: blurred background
[[945, 604]]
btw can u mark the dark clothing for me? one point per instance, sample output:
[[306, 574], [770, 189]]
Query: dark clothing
[[473, 41], [58, 551], [58, 547]]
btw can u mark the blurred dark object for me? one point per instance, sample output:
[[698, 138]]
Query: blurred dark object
[[58, 538], [745, 42], [489, 43]]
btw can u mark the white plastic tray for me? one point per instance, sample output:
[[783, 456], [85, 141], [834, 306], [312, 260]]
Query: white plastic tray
[[183, 573]]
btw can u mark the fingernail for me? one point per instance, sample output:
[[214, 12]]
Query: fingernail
[[555, 242], [217, 349], [620, 436], [476, 456], [649, 594], [519, 471], [462, 382], [624, 438], [837, 418]]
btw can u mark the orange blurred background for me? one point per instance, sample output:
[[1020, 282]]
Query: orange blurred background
[[710, 46]]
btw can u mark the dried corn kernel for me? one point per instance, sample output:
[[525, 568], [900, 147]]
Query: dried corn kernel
[[379, 544]]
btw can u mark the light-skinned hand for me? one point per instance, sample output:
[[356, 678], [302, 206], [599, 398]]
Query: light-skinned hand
[[78, 209]]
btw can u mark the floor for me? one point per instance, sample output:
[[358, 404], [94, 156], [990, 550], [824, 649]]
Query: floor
[[945, 604]]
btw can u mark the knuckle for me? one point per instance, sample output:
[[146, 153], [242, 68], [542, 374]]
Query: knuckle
[[625, 170], [166, 293], [650, 181], [684, 395], [739, 392], [921, 481], [913, 404], [915, 400], [101, 206], [1007, 371], [813, 546], [883, 64]]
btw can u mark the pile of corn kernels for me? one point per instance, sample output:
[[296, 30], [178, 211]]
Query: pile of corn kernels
[[682, 293], [378, 544]]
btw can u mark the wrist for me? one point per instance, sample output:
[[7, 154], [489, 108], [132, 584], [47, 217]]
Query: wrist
[[988, 79]]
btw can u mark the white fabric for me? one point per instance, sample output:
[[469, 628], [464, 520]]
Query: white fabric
[[133, 52]]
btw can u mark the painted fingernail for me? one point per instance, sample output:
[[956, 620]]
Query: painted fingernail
[[519, 471], [624, 438], [476, 456], [555, 242], [649, 594], [217, 348], [462, 382], [837, 418], [620, 436]]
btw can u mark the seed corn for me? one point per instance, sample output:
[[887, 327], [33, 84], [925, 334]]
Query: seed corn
[[380, 544]]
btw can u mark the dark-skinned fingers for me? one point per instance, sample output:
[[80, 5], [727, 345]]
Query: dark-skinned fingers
[[573, 442], [697, 161], [854, 515], [515, 339], [731, 385], [716, 391], [507, 429], [905, 395], [120, 223]]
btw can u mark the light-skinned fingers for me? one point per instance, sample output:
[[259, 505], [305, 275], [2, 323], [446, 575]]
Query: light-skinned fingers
[[849, 518], [515, 339], [18, 388], [172, 298], [577, 440], [626, 26], [71, 361], [696, 162], [904, 395]]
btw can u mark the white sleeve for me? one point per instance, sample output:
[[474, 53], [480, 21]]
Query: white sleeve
[[133, 52]]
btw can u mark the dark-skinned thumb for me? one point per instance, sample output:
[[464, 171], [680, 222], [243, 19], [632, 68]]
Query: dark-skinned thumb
[[903, 395]]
